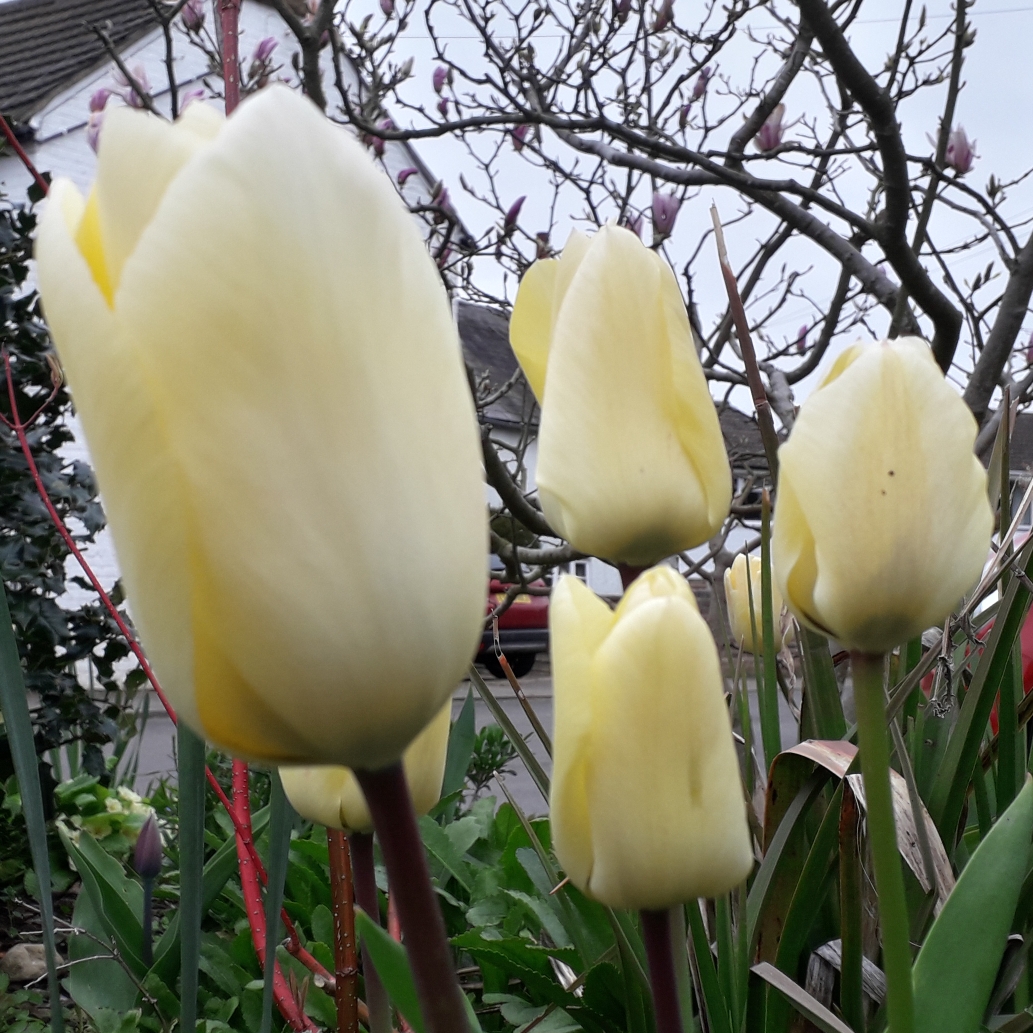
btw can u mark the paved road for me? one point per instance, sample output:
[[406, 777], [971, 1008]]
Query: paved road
[[157, 746]]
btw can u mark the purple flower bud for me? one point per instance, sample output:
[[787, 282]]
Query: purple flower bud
[[634, 223], [388, 7], [770, 134], [509, 223], [441, 75], [801, 338], [701, 82], [665, 211], [191, 97], [405, 174], [378, 142], [443, 107], [193, 15], [99, 99], [621, 10], [664, 16], [519, 135], [683, 115], [127, 91], [440, 197], [147, 855], [93, 127], [960, 153], [264, 50]]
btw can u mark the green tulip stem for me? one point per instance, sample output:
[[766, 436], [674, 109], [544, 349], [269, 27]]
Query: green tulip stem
[[873, 739], [441, 1000], [365, 876], [656, 934]]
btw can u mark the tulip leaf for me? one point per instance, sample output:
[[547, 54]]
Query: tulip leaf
[[392, 966], [18, 725], [767, 686], [822, 703], [956, 968], [190, 751], [802, 1001], [714, 1001], [460, 748], [281, 822]]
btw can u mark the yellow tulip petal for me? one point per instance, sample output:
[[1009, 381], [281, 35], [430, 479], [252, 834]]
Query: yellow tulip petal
[[665, 795], [316, 793], [128, 446], [656, 583], [139, 156], [578, 623], [744, 578], [530, 327], [322, 369], [424, 760]]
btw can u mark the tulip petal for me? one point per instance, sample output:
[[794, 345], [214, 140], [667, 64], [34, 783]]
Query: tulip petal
[[322, 309], [424, 760], [530, 327], [128, 447], [665, 794], [316, 792], [578, 623], [139, 156]]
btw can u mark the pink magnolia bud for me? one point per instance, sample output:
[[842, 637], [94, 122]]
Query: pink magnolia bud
[[801, 339], [191, 97], [443, 107], [193, 15], [440, 197], [701, 82], [634, 223], [683, 115], [770, 134], [665, 211], [99, 99], [388, 7], [93, 127], [960, 153], [621, 10], [509, 223], [264, 50], [147, 855], [519, 135], [126, 90], [664, 16], [405, 174], [440, 77]]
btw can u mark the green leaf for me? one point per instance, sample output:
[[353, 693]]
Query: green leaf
[[281, 821], [322, 923], [460, 748], [190, 751], [718, 1018], [392, 966], [18, 724], [443, 849], [957, 965], [822, 701]]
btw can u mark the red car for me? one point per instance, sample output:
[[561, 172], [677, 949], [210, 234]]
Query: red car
[[523, 629]]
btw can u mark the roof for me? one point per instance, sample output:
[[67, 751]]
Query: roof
[[743, 441], [47, 46]]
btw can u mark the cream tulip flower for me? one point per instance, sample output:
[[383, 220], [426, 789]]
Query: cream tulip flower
[[265, 365], [331, 796], [738, 588], [647, 801], [631, 461], [882, 520]]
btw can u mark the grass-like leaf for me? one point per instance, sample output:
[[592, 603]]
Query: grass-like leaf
[[190, 752]]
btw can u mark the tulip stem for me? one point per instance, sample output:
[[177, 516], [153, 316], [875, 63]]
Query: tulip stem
[[656, 933], [870, 700], [361, 846], [441, 1000]]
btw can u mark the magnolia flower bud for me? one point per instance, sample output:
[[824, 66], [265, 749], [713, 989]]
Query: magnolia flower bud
[[621, 10], [664, 16], [443, 107], [387, 7], [406, 173], [740, 583], [147, 853], [331, 795], [509, 223], [665, 211], [960, 154], [519, 135], [634, 223], [440, 77], [192, 97], [902, 538], [264, 50], [130, 91], [801, 339], [259, 455], [603, 330], [99, 99], [193, 15], [683, 115], [647, 802], [93, 127], [769, 136], [702, 79], [544, 250]]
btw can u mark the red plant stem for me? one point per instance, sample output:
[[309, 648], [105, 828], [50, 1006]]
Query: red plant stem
[[346, 967], [361, 846], [430, 957], [229, 13], [656, 933], [628, 574], [251, 888], [20, 151]]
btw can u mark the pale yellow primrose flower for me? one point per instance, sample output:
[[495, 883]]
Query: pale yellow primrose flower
[[647, 802], [331, 795], [631, 461], [882, 520], [266, 368], [738, 589]]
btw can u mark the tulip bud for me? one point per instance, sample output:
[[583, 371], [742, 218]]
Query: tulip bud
[[665, 211], [769, 136], [405, 174], [510, 221], [907, 529], [193, 15], [702, 79], [440, 77], [331, 795], [260, 457], [99, 100], [960, 154], [147, 854], [646, 803], [740, 583], [603, 330]]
